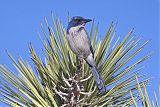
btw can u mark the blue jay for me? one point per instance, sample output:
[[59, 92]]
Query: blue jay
[[80, 44]]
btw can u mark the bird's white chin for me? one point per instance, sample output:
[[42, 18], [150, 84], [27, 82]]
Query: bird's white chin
[[82, 25]]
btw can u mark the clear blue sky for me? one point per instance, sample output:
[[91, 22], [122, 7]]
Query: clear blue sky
[[20, 20]]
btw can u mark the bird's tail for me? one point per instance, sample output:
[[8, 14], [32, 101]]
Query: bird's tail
[[98, 78]]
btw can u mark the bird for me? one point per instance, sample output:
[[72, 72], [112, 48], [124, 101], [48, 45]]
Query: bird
[[80, 44]]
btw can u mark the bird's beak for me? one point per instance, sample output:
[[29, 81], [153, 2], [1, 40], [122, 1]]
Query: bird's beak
[[87, 20]]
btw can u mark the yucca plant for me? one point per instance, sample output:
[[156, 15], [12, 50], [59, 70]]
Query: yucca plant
[[144, 97], [57, 81]]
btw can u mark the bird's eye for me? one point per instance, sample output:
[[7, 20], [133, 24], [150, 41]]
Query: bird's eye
[[75, 20], [78, 20]]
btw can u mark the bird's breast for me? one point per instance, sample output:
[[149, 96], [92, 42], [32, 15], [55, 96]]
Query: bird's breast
[[78, 42]]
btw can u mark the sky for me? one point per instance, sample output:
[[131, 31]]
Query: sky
[[20, 20]]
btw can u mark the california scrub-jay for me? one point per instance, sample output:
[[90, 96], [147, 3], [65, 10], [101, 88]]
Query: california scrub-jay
[[80, 44]]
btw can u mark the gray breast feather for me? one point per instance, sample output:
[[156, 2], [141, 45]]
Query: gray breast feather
[[79, 42]]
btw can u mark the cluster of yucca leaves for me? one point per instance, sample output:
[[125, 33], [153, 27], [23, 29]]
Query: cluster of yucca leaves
[[59, 82]]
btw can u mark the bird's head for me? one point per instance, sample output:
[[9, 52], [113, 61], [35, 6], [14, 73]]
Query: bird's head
[[78, 21]]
